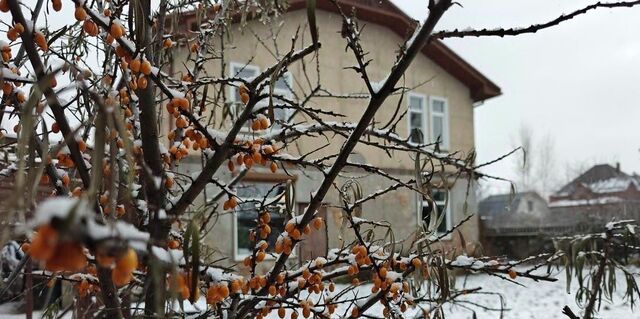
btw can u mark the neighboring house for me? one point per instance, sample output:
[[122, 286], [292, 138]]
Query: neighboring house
[[596, 197], [523, 224], [514, 224], [441, 104]]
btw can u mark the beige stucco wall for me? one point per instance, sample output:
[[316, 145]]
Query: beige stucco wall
[[424, 76]]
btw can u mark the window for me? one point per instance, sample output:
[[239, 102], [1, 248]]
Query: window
[[440, 121], [530, 205], [440, 199], [282, 87], [251, 195], [417, 115]]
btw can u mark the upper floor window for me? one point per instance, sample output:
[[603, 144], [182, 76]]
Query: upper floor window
[[442, 203], [417, 115], [440, 121], [282, 88], [244, 71]]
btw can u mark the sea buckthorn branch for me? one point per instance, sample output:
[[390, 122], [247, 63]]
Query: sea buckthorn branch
[[58, 112], [502, 32]]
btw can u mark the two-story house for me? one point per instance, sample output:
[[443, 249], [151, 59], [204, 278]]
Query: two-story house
[[444, 89]]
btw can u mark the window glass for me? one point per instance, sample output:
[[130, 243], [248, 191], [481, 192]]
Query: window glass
[[438, 127], [438, 106], [439, 196], [251, 195], [439, 122], [417, 134], [415, 103], [417, 121]]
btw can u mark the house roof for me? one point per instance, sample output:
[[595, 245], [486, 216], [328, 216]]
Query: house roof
[[385, 13], [502, 203], [601, 179]]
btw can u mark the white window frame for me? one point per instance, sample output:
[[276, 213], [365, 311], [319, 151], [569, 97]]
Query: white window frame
[[425, 116], [446, 138], [448, 218], [237, 257]]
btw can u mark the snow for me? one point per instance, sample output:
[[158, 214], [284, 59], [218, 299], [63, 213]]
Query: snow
[[585, 202], [61, 208], [534, 301], [171, 256], [465, 261]]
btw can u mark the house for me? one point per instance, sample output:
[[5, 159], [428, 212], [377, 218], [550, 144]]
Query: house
[[445, 90], [597, 196], [514, 224]]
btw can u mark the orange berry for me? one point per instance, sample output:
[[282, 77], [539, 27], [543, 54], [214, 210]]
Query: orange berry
[[255, 125], [231, 166], [134, 65], [167, 43], [512, 274], [57, 5], [90, 28], [181, 122], [40, 40], [244, 97], [168, 183], [82, 146], [142, 83], [19, 27], [66, 180], [145, 67], [416, 262], [116, 31], [264, 123], [80, 14], [317, 223], [12, 34]]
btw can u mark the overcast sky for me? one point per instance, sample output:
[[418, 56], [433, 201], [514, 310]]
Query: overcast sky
[[578, 82]]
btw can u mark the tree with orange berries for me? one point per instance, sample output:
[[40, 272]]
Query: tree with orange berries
[[105, 119]]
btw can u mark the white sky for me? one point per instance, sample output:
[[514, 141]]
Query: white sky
[[578, 82]]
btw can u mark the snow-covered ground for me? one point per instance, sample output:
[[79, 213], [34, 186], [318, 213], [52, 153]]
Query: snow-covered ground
[[536, 300]]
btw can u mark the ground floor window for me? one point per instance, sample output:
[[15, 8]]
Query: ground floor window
[[252, 197], [440, 197]]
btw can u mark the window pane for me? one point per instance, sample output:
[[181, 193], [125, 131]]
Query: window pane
[[415, 103], [415, 126], [438, 106], [279, 114], [438, 128], [247, 216], [244, 73], [439, 197], [282, 84]]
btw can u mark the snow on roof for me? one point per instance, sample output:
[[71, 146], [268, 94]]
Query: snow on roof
[[613, 185], [586, 202]]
